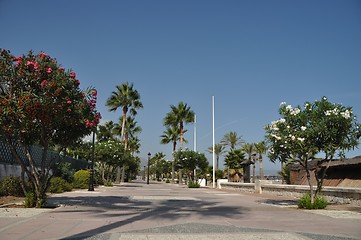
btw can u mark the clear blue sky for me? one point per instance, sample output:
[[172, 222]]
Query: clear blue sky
[[251, 55]]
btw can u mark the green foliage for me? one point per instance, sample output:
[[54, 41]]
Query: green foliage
[[59, 185], [319, 203], [30, 201], [285, 174], [219, 174], [189, 160], [193, 185], [108, 184], [234, 159], [64, 171], [81, 179], [11, 186]]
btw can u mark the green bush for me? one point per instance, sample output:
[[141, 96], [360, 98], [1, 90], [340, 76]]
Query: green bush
[[11, 186], [59, 185], [81, 179], [319, 203], [108, 184], [193, 185], [64, 171], [30, 200]]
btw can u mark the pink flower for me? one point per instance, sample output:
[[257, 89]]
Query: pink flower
[[72, 75], [36, 65], [61, 69], [94, 93], [49, 70], [77, 82], [18, 60], [42, 54], [44, 83], [68, 102]]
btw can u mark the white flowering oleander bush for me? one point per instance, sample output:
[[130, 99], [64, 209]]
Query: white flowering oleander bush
[[319, 128]]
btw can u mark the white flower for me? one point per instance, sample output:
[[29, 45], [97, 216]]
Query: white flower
[[293, 138], [295, 111], [276, 137], [346, 114], [301, 139], [289, 107], [282, 120], [303, 128], [283, 103]]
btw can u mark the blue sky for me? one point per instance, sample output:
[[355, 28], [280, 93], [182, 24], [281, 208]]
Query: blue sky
[[250, 55]]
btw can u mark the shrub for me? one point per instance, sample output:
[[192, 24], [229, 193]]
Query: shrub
[[108, 184], [319, 203], [11, 186], [81, 179], [59, 185], [30, 200], [64, 171], [193, 185]]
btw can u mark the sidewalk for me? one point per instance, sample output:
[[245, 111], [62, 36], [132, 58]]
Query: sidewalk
[[167, 211]]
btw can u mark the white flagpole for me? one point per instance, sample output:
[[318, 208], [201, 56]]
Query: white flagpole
[[195, 140], [214, 171]]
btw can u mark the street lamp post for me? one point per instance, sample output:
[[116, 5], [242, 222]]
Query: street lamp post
[[91, 177], [148, 167]]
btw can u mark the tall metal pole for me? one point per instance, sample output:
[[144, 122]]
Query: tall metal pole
[[195, 143], [91, 178], [213, 150], [148, 167]]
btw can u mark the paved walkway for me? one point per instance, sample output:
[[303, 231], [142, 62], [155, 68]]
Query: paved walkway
[[167, 211]]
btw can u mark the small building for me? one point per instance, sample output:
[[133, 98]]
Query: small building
[[341, 173]]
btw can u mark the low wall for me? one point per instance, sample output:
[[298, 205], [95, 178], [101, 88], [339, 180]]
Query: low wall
[[332, 194], [9, 170]]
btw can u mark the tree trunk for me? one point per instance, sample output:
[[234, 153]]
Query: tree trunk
[[119, 172], [254, 172], [311, 187], [261, 168], [123, 173], [320, 174]]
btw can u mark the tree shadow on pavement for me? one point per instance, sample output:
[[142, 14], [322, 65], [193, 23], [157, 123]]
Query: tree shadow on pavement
[[125, 210]]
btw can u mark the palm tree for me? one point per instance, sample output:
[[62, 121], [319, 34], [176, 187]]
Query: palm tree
[[261, 148], [134, 145], [232, 140], [129, 131], [171, 135], [178, 116], [128, 99], [234, 160], [219, 149], [250, 150]]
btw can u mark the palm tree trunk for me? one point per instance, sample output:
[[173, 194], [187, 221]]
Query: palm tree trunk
[[180, 135], [261, 168]]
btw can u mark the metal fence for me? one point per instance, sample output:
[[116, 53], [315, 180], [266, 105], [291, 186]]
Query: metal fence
[[36, 152]]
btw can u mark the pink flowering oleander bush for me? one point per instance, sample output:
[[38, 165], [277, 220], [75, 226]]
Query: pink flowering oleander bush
[[41, 102]]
